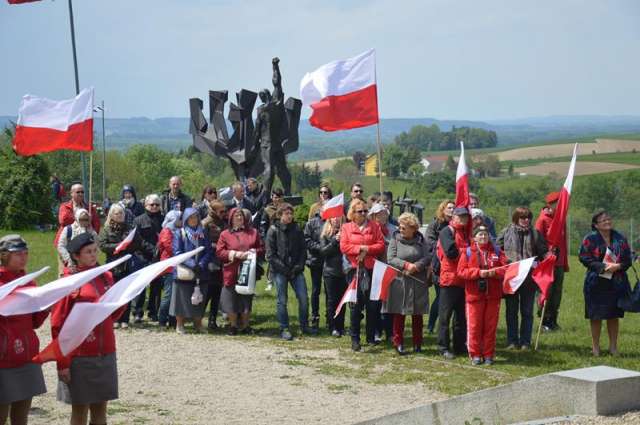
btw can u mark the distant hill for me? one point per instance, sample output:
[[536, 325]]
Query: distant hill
[[172, 133]]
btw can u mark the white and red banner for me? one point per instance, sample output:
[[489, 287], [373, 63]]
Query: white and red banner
[[609, 258], [34, 299], [350, 295], [333, 208], [515, 275], [86, 316], [381, 278], [8, 287], [342, 94], [462, 181], [543, 274], [125, 242], [46, 125]]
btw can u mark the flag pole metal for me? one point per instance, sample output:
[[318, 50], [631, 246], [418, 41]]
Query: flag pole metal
[[104, 158], [90, 177], [544, 307], [379, 154], [75, 68]]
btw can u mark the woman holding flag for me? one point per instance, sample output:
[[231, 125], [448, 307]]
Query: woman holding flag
[[362, 242], [88, 376], [20, 378], [335, 281], [113, 242], [607, 256], [409, 293], [480, 266]]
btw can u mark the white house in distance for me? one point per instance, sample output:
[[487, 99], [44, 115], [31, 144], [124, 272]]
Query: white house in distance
[[433, 163]]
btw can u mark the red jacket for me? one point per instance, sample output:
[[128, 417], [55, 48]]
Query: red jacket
[[18, 341], [101, 340], [450, 244], [240, 240], [469, 269], [543, 225], [66, 217], [352, 238], [165, 246]]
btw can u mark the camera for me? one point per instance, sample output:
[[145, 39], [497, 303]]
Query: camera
[[482, 285]]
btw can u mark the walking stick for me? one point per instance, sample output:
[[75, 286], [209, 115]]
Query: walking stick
[[544, 306]]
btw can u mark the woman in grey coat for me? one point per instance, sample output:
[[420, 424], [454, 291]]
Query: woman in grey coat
[[408, 293]]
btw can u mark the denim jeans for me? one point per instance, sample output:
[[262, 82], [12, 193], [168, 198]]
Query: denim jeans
[[167, 283], [299, 286], [523, 301]]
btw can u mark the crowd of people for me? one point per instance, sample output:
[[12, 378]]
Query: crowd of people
[[459, 254]]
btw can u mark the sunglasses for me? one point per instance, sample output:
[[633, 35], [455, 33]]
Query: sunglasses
[[324, 192], [358, 191], [79, 191], [154, 205], [361, 211]]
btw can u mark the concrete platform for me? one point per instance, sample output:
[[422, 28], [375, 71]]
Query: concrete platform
[[600, 390]]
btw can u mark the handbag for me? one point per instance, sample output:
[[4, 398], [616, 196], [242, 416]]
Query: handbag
[[631, 300], [184, 272]]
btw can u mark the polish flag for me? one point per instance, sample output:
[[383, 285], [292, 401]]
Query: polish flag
[[7, 288], [342, 94], [383, 275], [34, 299], [46, 125], [126, 242], [543, 274], [86, 316], [333, 208], [515, 274], [462, 181], [350, 295]]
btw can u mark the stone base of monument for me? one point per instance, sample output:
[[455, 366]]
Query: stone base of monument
[[599, 390]]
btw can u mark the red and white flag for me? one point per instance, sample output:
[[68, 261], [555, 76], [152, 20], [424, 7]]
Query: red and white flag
[[125, 242], [515, 274], [383, 275], [34, 299], [343, 94], [350, 295], [333, 208], [7, 288], [86, 316], [46, 125], [462, 181], [543, 274]]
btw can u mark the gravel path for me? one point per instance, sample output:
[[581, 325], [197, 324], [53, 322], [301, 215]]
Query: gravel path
[[166, 378]]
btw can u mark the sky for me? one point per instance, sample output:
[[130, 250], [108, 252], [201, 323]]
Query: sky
[[446, 59]]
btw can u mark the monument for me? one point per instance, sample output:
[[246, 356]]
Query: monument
[[252, 150]]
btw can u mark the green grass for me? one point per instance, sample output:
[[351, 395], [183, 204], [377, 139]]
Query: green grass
[[618, 157], [563, 350]]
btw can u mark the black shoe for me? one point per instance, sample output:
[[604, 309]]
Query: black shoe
[[355, 345], [417, 349], [247, 331], [212, 326], [232, 331], [400, 350]]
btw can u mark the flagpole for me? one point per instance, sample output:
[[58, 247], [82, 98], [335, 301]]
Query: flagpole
[[90, 178], [544, 307], [379, 155], [75, 68]]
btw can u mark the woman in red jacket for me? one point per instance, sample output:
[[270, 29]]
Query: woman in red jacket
[[232, 249], [88, 376], [479, 267], [362, 242], [20, 379]]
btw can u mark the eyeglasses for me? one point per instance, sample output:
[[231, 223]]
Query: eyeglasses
[[79, 191], [361, 211], [357, 191]]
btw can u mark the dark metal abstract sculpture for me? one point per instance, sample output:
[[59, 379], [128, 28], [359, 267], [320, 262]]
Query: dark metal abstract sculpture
[[252, 150]]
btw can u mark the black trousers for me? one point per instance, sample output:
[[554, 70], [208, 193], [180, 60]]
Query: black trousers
[[451, 304], [364, 304], [316, 286], [334, 287], [155, 291], [212, 296], [275, 163]]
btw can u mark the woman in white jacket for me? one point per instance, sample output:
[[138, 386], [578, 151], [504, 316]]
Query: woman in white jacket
[[82, 224]]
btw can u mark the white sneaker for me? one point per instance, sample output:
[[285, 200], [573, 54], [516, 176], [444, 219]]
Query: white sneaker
[[180, 330], [124, 325]]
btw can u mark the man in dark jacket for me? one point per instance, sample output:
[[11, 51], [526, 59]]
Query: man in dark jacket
[[269, 215], [148, 225], [312, 231], [173, 198], [286, 254], [129, 201], [213, 224], [254, 194]]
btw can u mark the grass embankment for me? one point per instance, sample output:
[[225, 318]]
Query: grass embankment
[[567, 349], [632, 158]]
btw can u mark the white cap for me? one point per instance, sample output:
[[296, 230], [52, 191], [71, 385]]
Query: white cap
[[476, 212]]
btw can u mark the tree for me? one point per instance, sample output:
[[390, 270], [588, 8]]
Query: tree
[[358, 159], [511, 170], [345, 170], [25, 194], [450, 164]]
